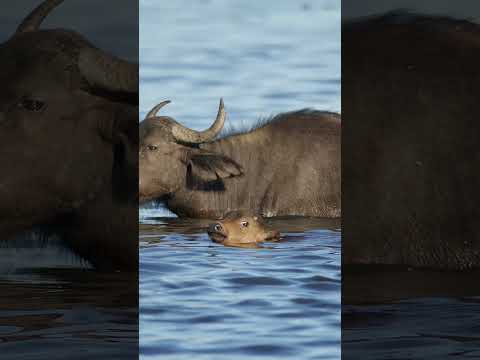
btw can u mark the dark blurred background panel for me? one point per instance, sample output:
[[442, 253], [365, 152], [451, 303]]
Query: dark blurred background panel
[[69, 179], [110, 25], [465, 9], [410, 153]]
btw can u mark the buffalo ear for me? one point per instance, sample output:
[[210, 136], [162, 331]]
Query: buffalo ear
[[207, 167], [117, 125]]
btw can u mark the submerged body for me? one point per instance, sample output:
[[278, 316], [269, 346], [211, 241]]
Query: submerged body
[[288, 166], [241, 228], [410, 170]]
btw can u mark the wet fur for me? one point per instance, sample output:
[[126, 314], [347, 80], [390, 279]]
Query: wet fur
[[267, 184]]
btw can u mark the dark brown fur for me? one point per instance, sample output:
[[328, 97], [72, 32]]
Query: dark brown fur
[[288, 166], [410, 90], [72, 164]]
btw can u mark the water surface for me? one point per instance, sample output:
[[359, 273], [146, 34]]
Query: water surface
[[54, 305], [421, 328], [396, 312], [262, 57], [202, 300]]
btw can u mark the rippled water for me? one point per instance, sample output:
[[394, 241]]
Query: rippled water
[[53, 305], [263, 57], [403, 313], [428, 328], [200, 300]]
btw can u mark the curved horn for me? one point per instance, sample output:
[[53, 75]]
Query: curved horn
[[35, 18], [186, 135], [156, 108], [107, 71]]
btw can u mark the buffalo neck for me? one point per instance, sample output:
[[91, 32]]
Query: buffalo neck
[[248, 150]]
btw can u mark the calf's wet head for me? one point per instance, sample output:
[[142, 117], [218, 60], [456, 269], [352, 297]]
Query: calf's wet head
[[239, 228]]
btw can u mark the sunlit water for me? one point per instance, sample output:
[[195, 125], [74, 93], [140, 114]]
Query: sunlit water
[[203, 300], [262, 57]]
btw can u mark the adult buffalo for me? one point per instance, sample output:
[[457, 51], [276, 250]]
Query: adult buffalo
[[69, 142], [411, 175], [287, 166]]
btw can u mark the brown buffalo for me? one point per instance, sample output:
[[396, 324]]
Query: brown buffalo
[[287, 166], [68, 141], [240, 228], [410, 90]]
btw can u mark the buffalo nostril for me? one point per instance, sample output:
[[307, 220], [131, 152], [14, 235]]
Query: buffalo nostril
[[218, 227]]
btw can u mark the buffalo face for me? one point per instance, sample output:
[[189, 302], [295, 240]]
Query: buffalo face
[[171, 159], [59, 138]]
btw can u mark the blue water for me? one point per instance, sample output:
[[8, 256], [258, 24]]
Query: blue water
[[262, 57], [200, 300]]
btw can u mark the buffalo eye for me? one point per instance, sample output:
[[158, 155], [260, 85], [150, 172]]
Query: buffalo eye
[[218, 227], [34, 105], [152, 147], [244, 224]]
